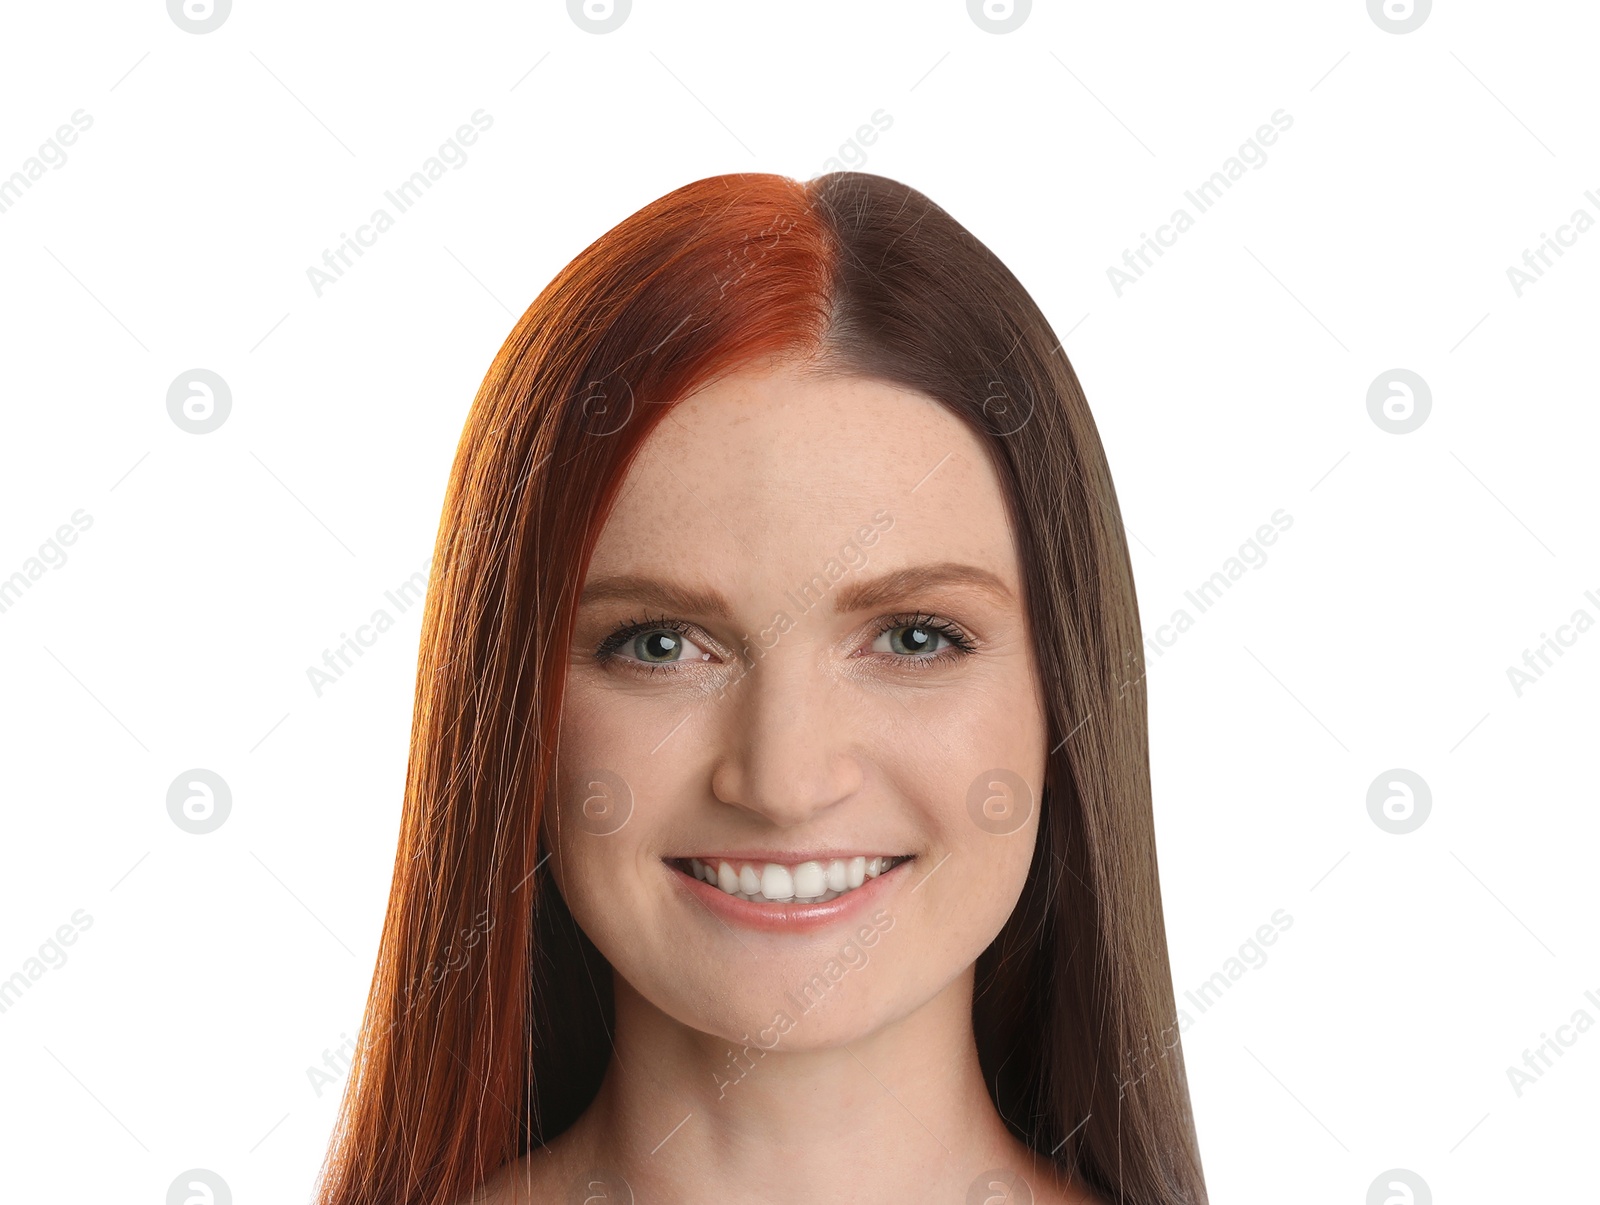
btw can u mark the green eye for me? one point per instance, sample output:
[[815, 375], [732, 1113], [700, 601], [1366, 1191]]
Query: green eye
[[651, 643], [917, 638], [658, 646], [913, 640]]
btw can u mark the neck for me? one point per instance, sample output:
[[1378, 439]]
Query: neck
[[899, 1114]]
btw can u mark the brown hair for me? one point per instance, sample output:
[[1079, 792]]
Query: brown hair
[[488, 1025]]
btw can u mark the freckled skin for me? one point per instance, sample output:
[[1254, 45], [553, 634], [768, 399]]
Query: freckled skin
[[821, 733]]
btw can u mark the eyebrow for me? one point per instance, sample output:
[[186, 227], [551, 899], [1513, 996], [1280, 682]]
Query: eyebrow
[[847, 597]]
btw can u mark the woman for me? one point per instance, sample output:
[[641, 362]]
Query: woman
[[778, 819]]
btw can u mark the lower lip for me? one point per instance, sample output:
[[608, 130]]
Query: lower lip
[[790, 918]]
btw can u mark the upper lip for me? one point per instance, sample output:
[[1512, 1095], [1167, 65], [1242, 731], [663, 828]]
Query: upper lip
[[794, 857]]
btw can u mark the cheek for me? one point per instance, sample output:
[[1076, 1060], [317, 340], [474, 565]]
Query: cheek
[[972, 894], [619, 794], [592, 826], [987, 821]]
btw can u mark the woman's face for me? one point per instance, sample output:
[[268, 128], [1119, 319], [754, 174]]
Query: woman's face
[[801, 656]]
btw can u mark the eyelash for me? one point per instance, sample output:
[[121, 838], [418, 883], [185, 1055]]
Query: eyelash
[[961, 645]]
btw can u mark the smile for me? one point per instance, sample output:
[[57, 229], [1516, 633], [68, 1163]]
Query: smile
[[809, 882]]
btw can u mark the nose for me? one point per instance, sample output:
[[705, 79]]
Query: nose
[[791, 749]]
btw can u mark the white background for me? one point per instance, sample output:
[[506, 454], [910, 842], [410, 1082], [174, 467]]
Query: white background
[[1231, 381]]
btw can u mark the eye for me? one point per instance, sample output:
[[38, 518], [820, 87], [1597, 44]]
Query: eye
[[652, 645], [917, 639]]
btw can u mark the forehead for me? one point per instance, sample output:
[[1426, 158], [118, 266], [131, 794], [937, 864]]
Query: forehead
[[772, 470]]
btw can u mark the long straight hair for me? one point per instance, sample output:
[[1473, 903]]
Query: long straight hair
[[488, 1024]]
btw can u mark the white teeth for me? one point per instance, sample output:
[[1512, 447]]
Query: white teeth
[[776, 882], [806, 882], [810, 880], [838, 876]]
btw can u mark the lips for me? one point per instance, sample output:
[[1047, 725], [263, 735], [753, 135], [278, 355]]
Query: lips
[[777, 883]]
